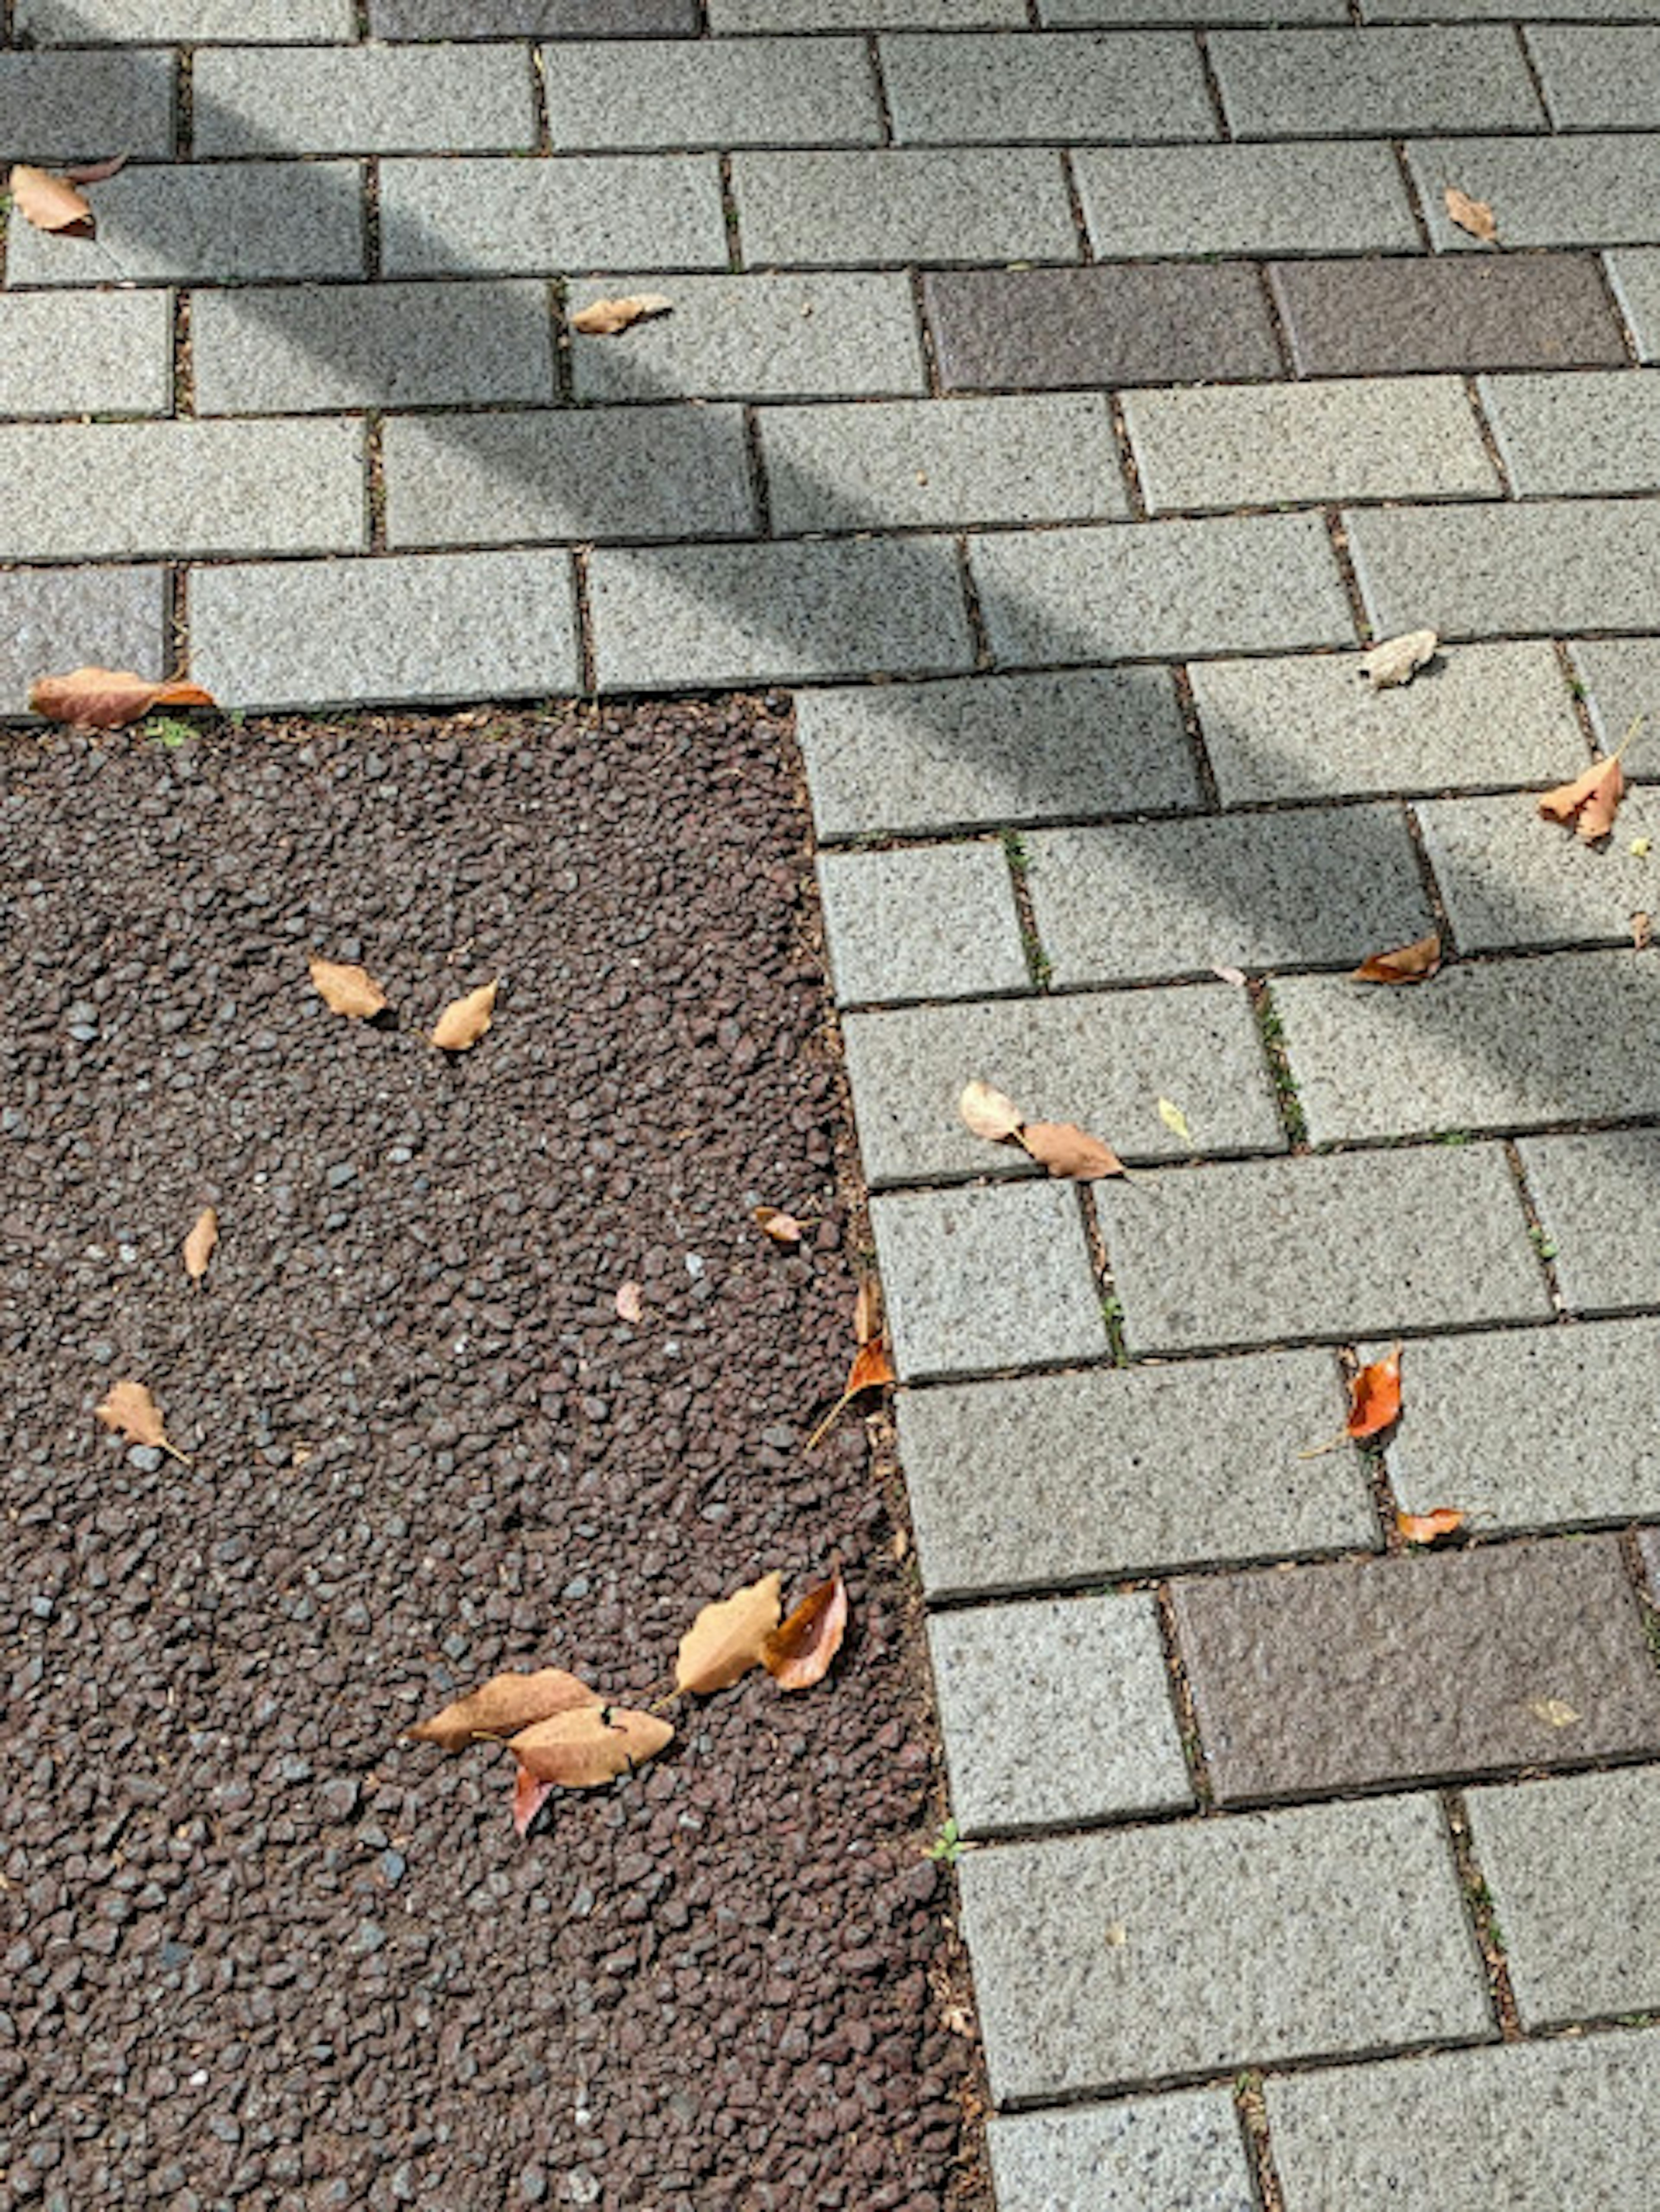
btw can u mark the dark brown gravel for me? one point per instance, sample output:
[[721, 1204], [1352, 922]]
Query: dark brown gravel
[[259, 1950]]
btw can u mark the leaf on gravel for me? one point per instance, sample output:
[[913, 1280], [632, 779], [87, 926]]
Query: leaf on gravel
[[134, 1415], [349, 991], [1407, 963], [872, 1368], [989, 1113], [1175, 1120], [629, 1307], [1429, 1528], [1475, 216], [799, 1654], [1398, 659], [504, 1706], [94, 173], [49, 203], [109, 698], [529, 1796], [868, 1316], [728, 1637], [1066, 1150], [464, 1021], [198, 1245], [606, 317], [1593, 798], [1375, 1397], [782, 1228], [587, 1749]]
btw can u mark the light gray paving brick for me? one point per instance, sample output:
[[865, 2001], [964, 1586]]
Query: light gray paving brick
[[1604, 76], [1257, 446], [1112, 14], [837, 335], [172, 487], [1372, 84], [1418, 11], [1504, 1045], [553, 473], [1511, 879], [1343, 1931], [1233, 584], [1533, 2127], [1313, 727], [1595, 432], [934, 204], [865, 15], [1325, 198], [1596, 1197], [1182, 2153], [164, 22], [1360, 1243], [987, 1278], [1058, 1481], [1048, 456], [1583, 191], [1052, 87], [1102, 1059], [54, 619], [1621, 678], [1056, 1711], [667, 619], [1508, 571], [1143, 902], [363, 100], [310, 349], [479, 216], [430, 627], [1635, 275], [78, 108], [935, 921], [1532, 1428], [976, 752], [105, 353], [205, 224], [614, 94]]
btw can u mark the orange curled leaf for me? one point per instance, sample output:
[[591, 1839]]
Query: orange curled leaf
[[1429, 1528], [1408, 964], [109, 698], [198, 1245], [989, 1113], [1375, 1397], [1476, 216], [504, 1706], [529, 1796], [782, 1228], [49, 203], [347, 990], [872, 1368], [585, 1749], [728, 1637], [134, 1415], [464, 1021], [606, 317], [1066, 1150], [868, 1309], [1593, 798], [799, 1654]]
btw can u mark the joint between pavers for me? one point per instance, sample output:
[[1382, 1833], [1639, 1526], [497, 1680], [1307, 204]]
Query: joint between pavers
[[1031, 944], [586, 648], [729, 215], [1484, 430], [1271, 1036], [1544, 1250], [373, 271], [538, 84], [1646, 1583], [878, 78], [1182, 1699], [1075, 202], [1339, 537], [1251, 2110], [184, 104], [1483, 1920], [755, 464], [1214, 87], [182, 362]]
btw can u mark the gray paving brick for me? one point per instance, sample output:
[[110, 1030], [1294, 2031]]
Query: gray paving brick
[[1531, 2126], [1508, 571], [78, 108], [1621, 678], [1051, 87], [1312, 728], [534, 18], [108, 353], [1325, 198], [1342, 1930], [1530, 1428], [679, 93], [837, 335], [667, 619], [1585, 433], [1142, 901], [1370, 84], [1635, 277], [431, 627], [937, 921], [1047, 457], [1596, 1197], [1584, 191], [310, 349], [482, 216], [1231, 445], [1367, 1244], [363, 100], [1415, 11], [1604, 76], [1103, 1060], [1112, 14], [162, 22], [865, 15], [915, 204], [1173, 2153], [987, 1278], [552, 473], [1236, 583], [1512, 880], [1527, 311], [1013, 1682], [55, 619], [171, 487], [977, 752]]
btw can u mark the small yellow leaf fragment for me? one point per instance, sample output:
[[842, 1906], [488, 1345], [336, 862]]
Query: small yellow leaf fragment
[[606, 317], [198, 1245], [1118, 1936], [1398, 659], [1175, 1120], [1641, 848], [1476, 216], [1559, 1714], [464, 1021]]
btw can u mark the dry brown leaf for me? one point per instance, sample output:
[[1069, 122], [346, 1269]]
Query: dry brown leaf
[[134, 1415], [198, 1245], [109, 698], [94, 173], [1398, 659], [606, 317], [585, 1750], [1375, 1397], [872, 1368], [464, 1021], [1407, 963], [1475, 216], [799, 1654], [529, 1796], [1066, 1150], [504, 1706], [1593, 798], [728, 1638], [629, 1306], [782, 1228], [346, 990], [49, 203], [989, 1113], [1429, 1528], [868, 1315]]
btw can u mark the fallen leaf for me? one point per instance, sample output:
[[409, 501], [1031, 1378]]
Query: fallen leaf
[[1067, 1149], [109, 698], [872, 1368], [606, 317], [349, 991], [782, 1228], [1118, 1936], [799, 1654], [49, 203], [198, 1245], [1231, 975], [585, 1750], [529, 1796], [1407, 963], [1559, 1714], [1475, 216], [1642, 930], [94, 173], [1640, 847], [134, 1415], [1175, 1120], [1593, 798], [728, 1637], [1429, 1528], [504, 1706], [1398, 659], [868, 1309], [629, 1307], [464, 1021], [989, 1113], [1375, 1397]]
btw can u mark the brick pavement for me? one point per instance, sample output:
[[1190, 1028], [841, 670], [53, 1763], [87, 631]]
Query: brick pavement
[[1057, 392]]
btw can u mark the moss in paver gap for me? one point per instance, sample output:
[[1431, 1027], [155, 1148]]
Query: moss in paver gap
[[1279, 1068]]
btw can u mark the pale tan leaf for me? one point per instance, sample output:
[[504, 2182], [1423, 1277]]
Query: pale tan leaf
[[1642, 930], [465, 1020], [198, 1245], [1475, 216], [799, 1653], [629, 1306], [504, 1706], [134, 1415], [1398, 659], [1590, 802], [867, 1313], [1555, 1711], [606, 317], [347, 990], [989, 1113], [782, 1228], [728, 1638], [47, 201], [109, 698], [585, 1750], [1066, 1150]]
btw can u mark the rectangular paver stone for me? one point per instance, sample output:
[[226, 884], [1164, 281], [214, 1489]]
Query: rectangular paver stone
[[865, 15], [1111, 14], [1140, 902], [52, 619], [1582, 191], [1577, 433], [1374, 84], [1621, 677], [477, 215], [1014, 1681], [1053, 87], [944, 204], [1532, 310], [1360, 1243], [533, 19], [1182, 2153], [1305, 197], [1509, 571], [1601, 76], [207, 224], [1635, 277], [1596, 1196], [679, 93], [105, 352], [937, 921], [1511, 880], [363, 100], [74, 107], [1331, 1928], [134, 23], [426, 628]]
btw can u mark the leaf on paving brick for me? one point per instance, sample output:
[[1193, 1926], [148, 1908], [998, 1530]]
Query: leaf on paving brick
[[347, 990], [587, 1749], [1175, 1120], [629, 1307], [1398, 659], [606, 317], [1429, 1528], [529, 1796], [868, 1315], [1475, 216], [1590, 802], [728, 1637], [1407, 963], [464, 1021], [1375, 1397], [1066, 1150], [94, 173], [799, 1654], [198, 1245], [1555, 1710], [503, 1705], [1227, 974], [989, 1113], [1640, 847], [1642, 930], [134, 1415], [49, 203], [782, 1228], [109, 698]]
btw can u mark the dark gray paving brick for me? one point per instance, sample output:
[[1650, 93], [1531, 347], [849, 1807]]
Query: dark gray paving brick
[[1635, 275], [79, 107], [865, 15], [1327, 197], [935, 921], [482, 216], [1596, 1196], [232, 223], [1418, 11], [914, 203], [1068, 86], [1509, 571], [1361, 1243], [1182, 2153], [1511, 880], [1416, 1669], [56, 619], [1537, 311], [1058, 1481], [363, 100], [104, 353], [1112, 14], [1621, 677], [1584, 433], [1049, 329], [428, 629], [605, 98], [1141, 902], [1329, 1929], [533, 19], [82, 23], [1602, 77], [1582, 191], [1372, 84]]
